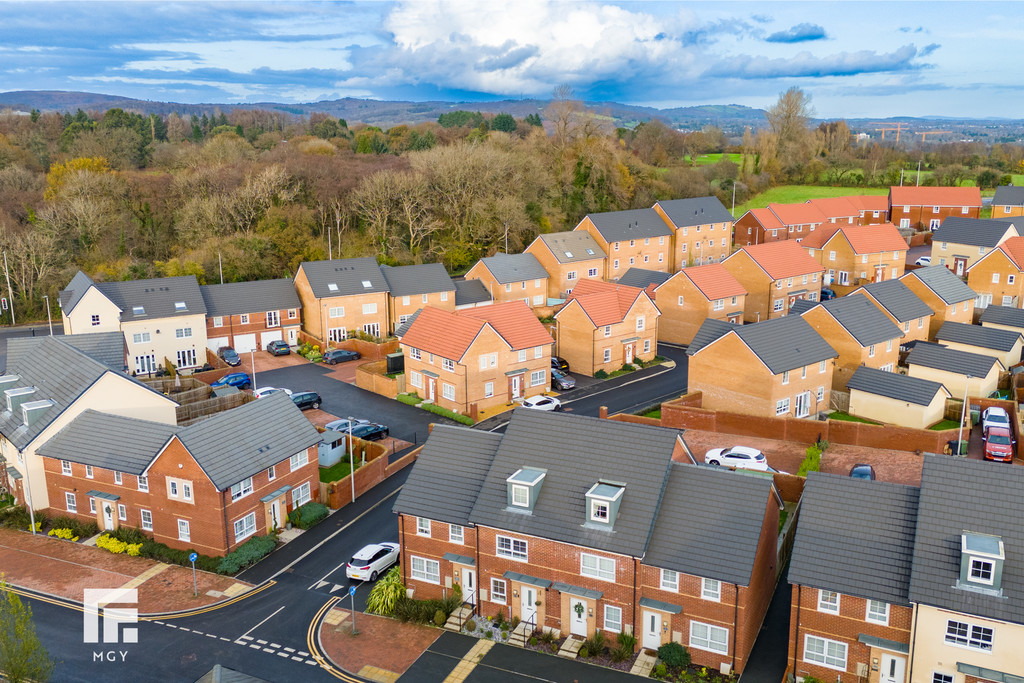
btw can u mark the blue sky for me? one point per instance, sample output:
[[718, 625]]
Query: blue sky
[[855, 59]]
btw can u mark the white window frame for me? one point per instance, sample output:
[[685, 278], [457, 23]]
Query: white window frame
[[599, 568], [782, 407], [70, 502], [520, 496], [611, 623], [825, 658], [785, 377], [985, 567], [448, 364], [706, 642], [272, 473], [828, 601], [456, 534], [499, 594], [973, 636], [415, 379], [184, 530], [711, 589], [538, 377], [874, 615], [244, 318], [669, 580], [370, 308], [65, 467], [241, 489], [448, 391], [301, 495], [122, 512], [488, 389], [423, 526], [571, 275], [146, 517], [92, 505], [298, 460], [607, 355], [512, 549], [244, 527], [336, 312], [117, 478], [143, 483], [647, 345]]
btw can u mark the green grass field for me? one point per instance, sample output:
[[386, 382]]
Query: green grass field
[[792, 194], [708, 159]]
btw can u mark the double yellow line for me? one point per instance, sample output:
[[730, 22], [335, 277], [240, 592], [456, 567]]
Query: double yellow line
[[312, 640]]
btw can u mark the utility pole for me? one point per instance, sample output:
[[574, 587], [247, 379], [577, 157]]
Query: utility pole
[[330, 247], [220, 264], [734, 199], [919, 173], [49, 321], [10, 292]]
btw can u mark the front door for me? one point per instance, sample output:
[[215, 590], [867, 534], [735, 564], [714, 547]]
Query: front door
[[803, 404], [293, 336], [652, 630], [514, 386], [108, 517], [430, 388], [628, 354], [879, 273], [892, 669], [528, 605], [469, 586], [959, 264], [275, 515], [578, 617]]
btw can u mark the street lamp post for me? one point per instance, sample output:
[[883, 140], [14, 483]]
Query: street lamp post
[[351, 461], [252, 359], [49, 321], [963, 414]]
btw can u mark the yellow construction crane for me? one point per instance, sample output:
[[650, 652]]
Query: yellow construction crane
[[925, 133], [898, 127]]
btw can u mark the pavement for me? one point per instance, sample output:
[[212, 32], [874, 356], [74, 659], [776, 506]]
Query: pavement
[[767, 661]]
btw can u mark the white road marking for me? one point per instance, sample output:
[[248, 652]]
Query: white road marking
[[261, 624]]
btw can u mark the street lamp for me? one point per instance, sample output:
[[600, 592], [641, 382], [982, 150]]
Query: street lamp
[[252, 359], [351, 460], [49, 321], [963, 414]]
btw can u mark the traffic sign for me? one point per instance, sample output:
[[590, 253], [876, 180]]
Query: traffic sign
[[352, 591], [193, 557]]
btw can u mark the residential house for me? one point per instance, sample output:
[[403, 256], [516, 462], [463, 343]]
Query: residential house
[[341, 298], [568, 257], [853, 256], [800, 220], [702, 229], [897, 399], [758, 226], [903, 307], [48, 384], [522, 527], [512, 277], [644, 279], [963, 373], [959, 242], [851, 616], [837, 210], [1003, 345], [779, 367], [208, 486], [967, 578], [998, 276], [775, 275], [1003, 318], [106, 347], [638, 237], [872, 208], [163, 320], [1008, 202], [410, 288], [692, 295], [487, 356], [945, 293], [927, 207], [249, 315], [603, 326], [470, 294], [858, 331]]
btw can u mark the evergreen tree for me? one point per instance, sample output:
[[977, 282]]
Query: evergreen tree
[[22, 655]]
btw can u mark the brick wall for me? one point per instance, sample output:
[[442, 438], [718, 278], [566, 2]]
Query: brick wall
[[372, 377]]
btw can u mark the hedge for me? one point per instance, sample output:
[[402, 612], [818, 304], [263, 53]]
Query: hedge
[[308, 515], [249, 553], [438, 410]]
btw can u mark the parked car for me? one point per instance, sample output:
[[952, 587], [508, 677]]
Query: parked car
[[267, 391], [559, 363], [542, 403], [999, 444], [740, 457], [372, 561], [371, 431], [229, 356], [307, 399], [234, 379], [923, 261], [340, 356], [279, 348], [342, 424], [862, 471], [827, 294], [561, 381], [994, 417]]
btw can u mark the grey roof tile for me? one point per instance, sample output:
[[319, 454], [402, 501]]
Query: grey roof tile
[[634, 224], [426, 278], [572, 246], [731, 509], [896, 298], [236, 298], [974, 496], [508, 268], [1003, 315], [978, 232], [106, 347], [862, 320], [158, 297], [404, 327], [943, 283], [641, 277], [346, 275], [695, 211], [72, 294], [446, 478], [782, 344], [856, 537], [801, 306], [471, 292], [1008, 195], [993, 338], [113, 442], [894, 385], [710, 330], [951, 360]]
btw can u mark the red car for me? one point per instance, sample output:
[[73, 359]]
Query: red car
[[999, 444]]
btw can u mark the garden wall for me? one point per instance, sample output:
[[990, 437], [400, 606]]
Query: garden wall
[[372, 377], [367, 349], [338, 494]]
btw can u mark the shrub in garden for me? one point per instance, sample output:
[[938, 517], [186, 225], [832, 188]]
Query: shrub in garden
[[554, 647], [674, 655], [470, 625], [117, 547], [250, 552], [406, 609], [515, 622], [77, 528], [489, 634], [533, 641], [546, 637], [385, 594], [66, 534], [595, 643], [306, 516], [440, 618], [504, 634], [660, 671], [625, 648], [584, 652], [600, 374]]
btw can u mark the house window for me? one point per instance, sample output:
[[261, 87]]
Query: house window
[[241, 489], [508, 287], [571, 275], [244, 318], [632, 260], [612, 618], [522, 355], [871, 351], [844, 277], [416, 354], [488, 360], [942, 246], [965, 306], [615, 264], [785, 377], [830, 653], [1010, 279], [172, 489], [416, 379], [65, 467], [878, 612], [69, 502], [184, 533], [718, 304], [218, 321], [183, 332], [300, 495], [422, 526], [646, 258], [821, 394], [607, 330], [498, 591], [144, 484], [455, 534], [488, 389], [777, 305], [538, 377], [592, 272], [513, 548], [940, 677], [969, 635], [141, 338], [147, 519], [607, 355], [273, 319], [293, 313], [831, 256], [337, 334], [708, 637], [782, 407], [298, 460], [981, 570], [336, 312], [444, 296], [669, 580], [122, 512], [538, 352], [272, 473], [920, 323], [95, 320], [520, 496], [803, 372], [448, 364], [640, 323], [423, 299], [187, 358], [597, 567], [680, 300], [448, 391], [711, 589], [647, 345], [117, 478], [828, 601], [369, 309], [92, 505]]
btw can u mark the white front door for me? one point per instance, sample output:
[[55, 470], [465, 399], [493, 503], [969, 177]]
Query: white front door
[[275, 515], [469, 586], [108, 516], [293, 336], [528, 605], [892, 669], [515, 387], [629, 353], [652, 630], [578, 617], [430, 388], [803, 404]]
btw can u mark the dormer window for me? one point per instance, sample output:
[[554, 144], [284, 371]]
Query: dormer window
[[603, 500], [179, 306], [138, 310], [981, 562], [599, 511], [524, 487], [332, 287]]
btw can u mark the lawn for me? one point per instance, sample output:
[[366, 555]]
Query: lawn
[[945, 424], [708, 159], [656, 414], [791, 194], [337, 471], [840, 415]]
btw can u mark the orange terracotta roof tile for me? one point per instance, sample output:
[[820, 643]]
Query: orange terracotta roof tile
[[714, 281], [869, 202], [782, 259], [873, 239], [767, 219], [821, 236], [449, 334], [1014, 250], [935, 196], [514, 321], [797, 214], [606, 303], [834, 207]]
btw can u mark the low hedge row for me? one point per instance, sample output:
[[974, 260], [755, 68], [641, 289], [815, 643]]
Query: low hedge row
[[249, 553], [451, 415], [308, 515]]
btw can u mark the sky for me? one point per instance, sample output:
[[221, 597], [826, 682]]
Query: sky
[[855, 59]]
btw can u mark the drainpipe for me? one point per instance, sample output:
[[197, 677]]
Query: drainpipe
[[224, 514], [636, 562], [796, 635], [913, 637], [735, 623], [480, 573], [401, 533]]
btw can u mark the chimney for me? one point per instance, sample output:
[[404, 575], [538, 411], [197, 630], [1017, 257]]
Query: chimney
[[31, 411], [15, 397]]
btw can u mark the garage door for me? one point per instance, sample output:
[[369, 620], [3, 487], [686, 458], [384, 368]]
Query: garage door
[[268, 337], [244, 343], [217, 342]]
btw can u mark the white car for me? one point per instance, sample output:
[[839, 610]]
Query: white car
[[372, 561], [923, 261], [994, 417], [342, 424], [542, 403], [267, 391], [740, 457]]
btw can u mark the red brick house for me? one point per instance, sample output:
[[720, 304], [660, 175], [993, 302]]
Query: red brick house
[[549, 523], [249, 315], [758, 226], [872, 208], [207, 487], [926, 207]]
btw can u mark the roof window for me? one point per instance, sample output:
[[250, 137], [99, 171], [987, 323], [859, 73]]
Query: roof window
[[981, 562], [367, 284], [568, 254], [523, 487], [331, 286], [603, 500], [180, 306], [138, 310]]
